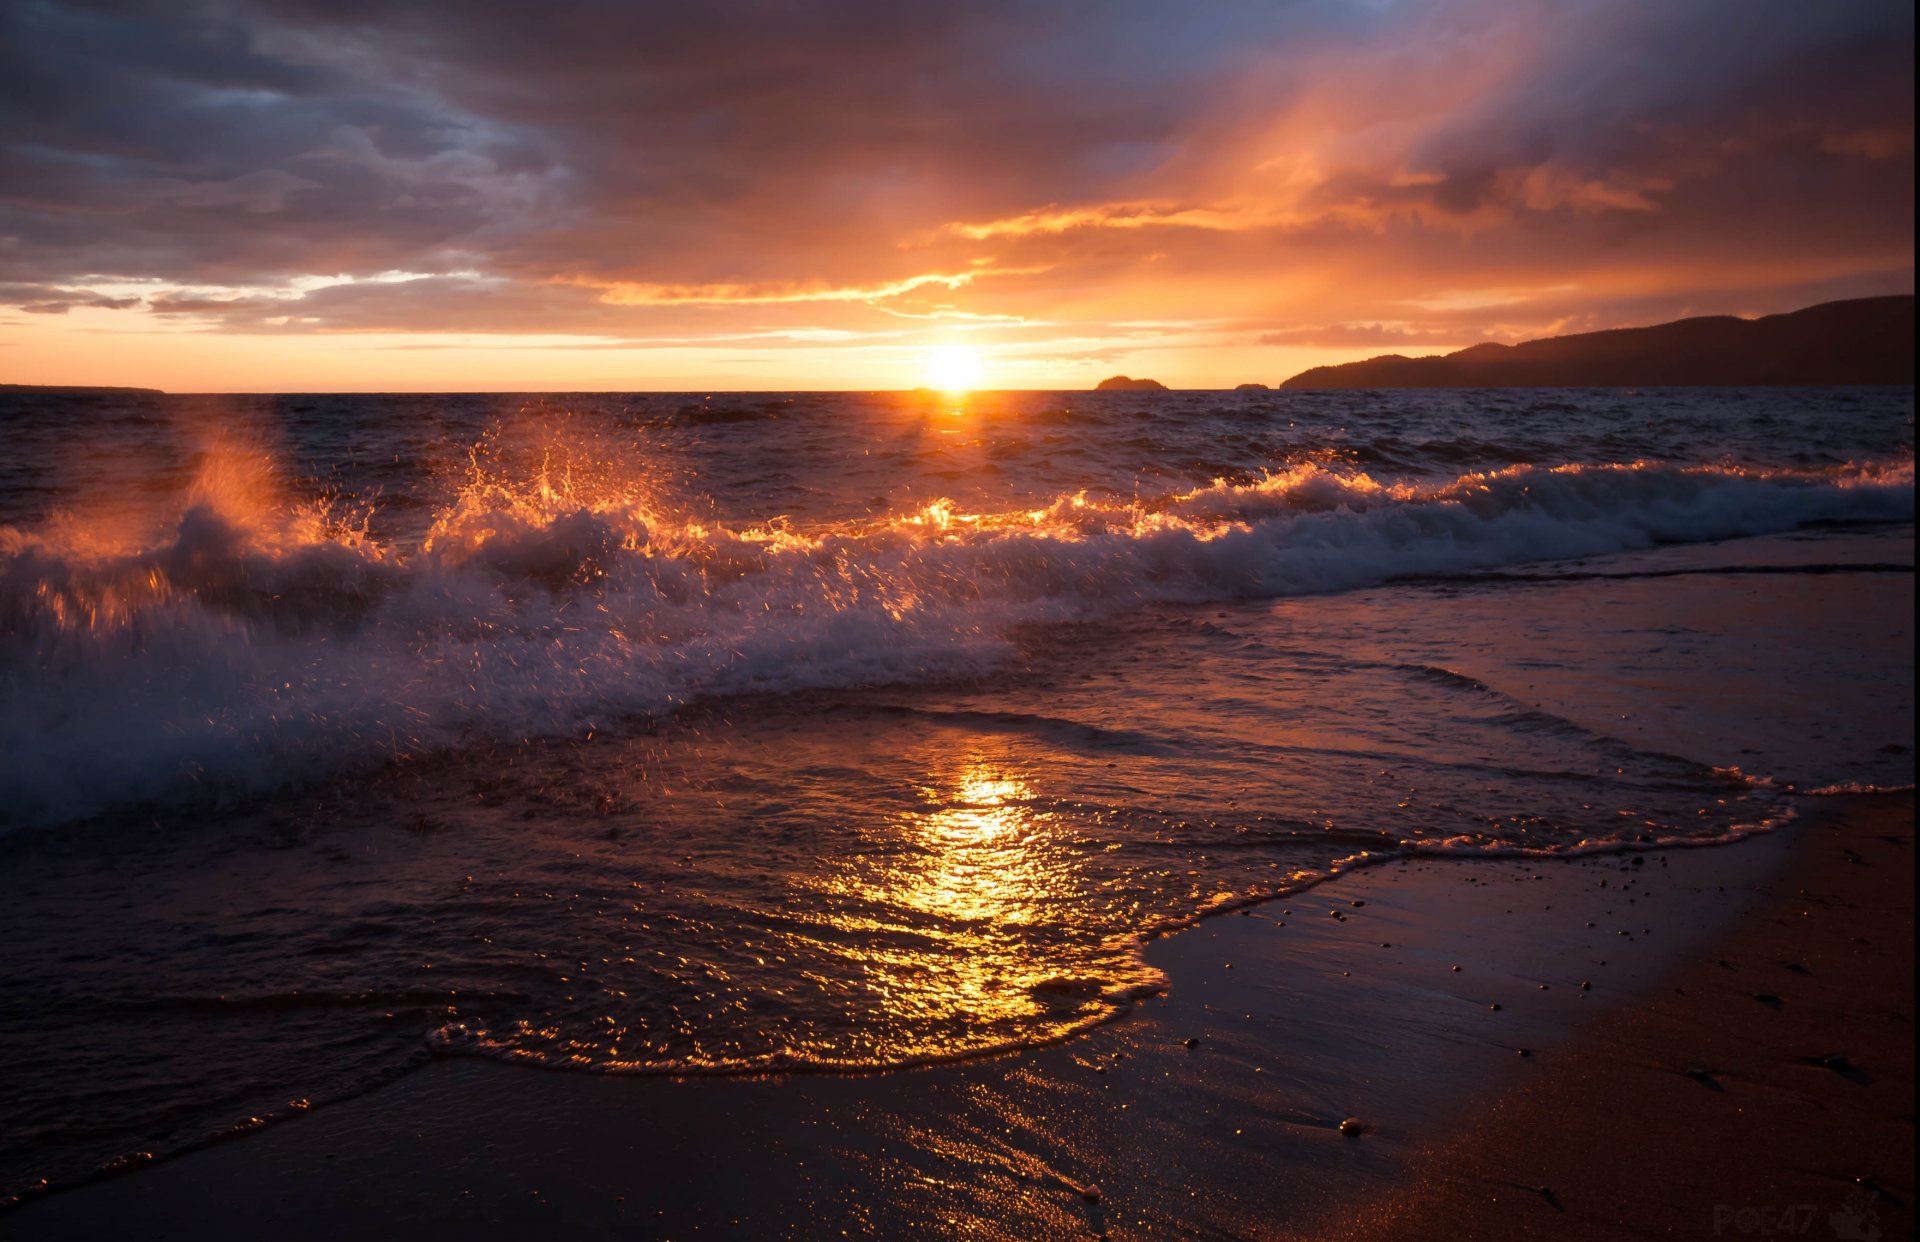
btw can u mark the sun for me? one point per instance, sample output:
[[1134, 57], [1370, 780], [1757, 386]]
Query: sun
[[953, 368]]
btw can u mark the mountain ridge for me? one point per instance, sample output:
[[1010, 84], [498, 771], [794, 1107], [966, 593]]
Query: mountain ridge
[[1856, 341]]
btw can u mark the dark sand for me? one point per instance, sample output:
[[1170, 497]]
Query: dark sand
[[1300, 1020], [1766, 1088]]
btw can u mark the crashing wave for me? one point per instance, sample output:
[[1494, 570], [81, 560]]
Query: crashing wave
[[249, 643]]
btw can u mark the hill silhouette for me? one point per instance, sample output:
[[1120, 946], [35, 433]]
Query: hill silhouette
[[1860, 341]]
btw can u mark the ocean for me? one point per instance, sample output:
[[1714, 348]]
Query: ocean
[[742, 733]]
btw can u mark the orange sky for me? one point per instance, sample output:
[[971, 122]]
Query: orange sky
[[257, 199]]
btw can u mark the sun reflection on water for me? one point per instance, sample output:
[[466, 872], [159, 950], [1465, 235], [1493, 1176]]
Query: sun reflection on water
[[959, 927]]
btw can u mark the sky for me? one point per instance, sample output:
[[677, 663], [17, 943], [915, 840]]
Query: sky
[[494, 195]]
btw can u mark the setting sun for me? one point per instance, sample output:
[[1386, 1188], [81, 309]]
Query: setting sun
[[953, 368]]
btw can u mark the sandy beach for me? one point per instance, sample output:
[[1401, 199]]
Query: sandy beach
[[1644, 1060], [1765, 1086]]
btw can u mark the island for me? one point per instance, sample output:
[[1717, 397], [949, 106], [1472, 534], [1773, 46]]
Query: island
[[1250, 387], [1859, 341], [1122, 383]]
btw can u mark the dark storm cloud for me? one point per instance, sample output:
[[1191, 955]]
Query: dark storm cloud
[[248, 141], [176, 147], [499, 147], [1605, 81]]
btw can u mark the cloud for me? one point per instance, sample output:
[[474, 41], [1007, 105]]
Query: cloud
[[626, 293], [52, 300], [1358, 335], [636, 172], [1055, 219]]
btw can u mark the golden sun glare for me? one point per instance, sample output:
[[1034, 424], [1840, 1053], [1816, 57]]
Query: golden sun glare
[[953, 368]]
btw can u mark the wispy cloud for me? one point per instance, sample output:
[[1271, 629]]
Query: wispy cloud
[[627, 293]]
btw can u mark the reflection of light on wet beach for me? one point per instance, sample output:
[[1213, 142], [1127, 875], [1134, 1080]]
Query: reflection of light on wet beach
[[948, 921], [981, 844]]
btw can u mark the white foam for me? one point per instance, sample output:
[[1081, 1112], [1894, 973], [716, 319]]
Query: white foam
[[241, 649]]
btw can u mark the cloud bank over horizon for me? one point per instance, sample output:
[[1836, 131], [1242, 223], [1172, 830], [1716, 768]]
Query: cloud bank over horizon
[[616, 195]]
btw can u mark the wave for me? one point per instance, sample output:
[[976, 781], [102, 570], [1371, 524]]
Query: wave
[[241, 643]]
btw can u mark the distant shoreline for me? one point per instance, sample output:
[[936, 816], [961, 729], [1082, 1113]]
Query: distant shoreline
[[77, 390]]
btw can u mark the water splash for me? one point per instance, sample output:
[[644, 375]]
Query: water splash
[[230, 631]]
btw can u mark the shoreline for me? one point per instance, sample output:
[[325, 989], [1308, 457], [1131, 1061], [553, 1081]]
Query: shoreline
[[1125, 1001], [1765, 1087], [1114, 1131]]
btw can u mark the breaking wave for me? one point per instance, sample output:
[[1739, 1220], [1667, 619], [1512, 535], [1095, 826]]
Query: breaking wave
[[239, 642]]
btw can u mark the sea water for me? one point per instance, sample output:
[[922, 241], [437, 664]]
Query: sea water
[[711, 733]]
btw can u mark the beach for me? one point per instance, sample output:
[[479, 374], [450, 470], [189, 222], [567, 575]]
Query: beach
[[1473, 1088], [1764, 1085]]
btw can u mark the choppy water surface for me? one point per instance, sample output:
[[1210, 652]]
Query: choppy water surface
[[705, 734]]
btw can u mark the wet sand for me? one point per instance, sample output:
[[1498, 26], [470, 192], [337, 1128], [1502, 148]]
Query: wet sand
[[1766, 1088], [1467, 1086]]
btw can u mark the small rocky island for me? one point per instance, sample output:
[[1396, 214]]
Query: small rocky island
[[1122, 383], [1250, 387]]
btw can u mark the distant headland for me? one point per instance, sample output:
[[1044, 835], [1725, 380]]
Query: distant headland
[[75, 390], [1122, 383], [1860, 341]]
